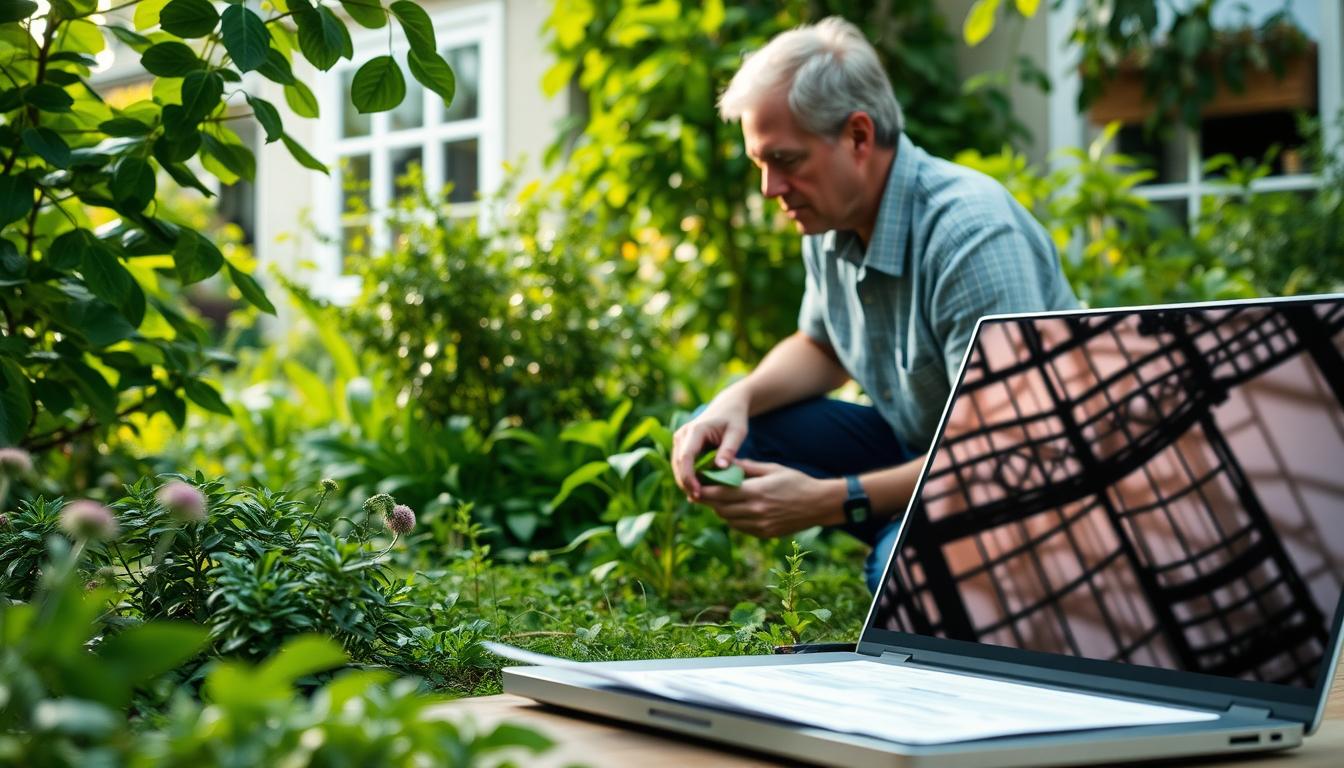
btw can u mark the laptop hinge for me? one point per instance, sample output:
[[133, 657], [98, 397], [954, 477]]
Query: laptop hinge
[[898, 657], [1250, 713]]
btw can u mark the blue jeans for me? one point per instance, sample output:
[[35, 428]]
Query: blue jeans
[[831, 438]]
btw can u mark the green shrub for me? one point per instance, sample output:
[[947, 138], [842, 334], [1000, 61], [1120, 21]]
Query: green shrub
[[527, 322]]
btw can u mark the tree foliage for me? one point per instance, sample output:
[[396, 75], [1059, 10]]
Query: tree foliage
[[91, 263], [670, 181]]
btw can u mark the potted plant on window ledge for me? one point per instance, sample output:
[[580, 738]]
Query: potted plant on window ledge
[[1192, 70]]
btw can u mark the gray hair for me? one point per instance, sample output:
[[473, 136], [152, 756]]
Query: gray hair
[[830, 71]]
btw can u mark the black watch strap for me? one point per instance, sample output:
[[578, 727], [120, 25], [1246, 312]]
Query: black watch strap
[[858, 508]]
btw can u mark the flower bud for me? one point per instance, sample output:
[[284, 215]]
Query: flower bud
[[87, 519], [15, 462], [328, 485], [184, 502], [401, 520], [379, 504], [4, 521]]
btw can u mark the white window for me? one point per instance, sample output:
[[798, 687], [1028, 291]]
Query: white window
[[460, 145], [1178, 157]]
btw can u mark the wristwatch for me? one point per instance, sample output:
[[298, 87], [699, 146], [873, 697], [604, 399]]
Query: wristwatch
[[857, 506]]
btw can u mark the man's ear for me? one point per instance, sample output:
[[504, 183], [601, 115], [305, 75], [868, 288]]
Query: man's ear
[[861, 132]]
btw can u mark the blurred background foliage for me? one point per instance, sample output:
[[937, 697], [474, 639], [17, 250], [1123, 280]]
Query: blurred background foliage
[[516, 384]]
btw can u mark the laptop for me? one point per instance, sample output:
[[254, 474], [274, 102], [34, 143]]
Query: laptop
[[1127, 543]]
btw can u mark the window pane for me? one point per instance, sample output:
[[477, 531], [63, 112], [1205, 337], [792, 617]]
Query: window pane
[[355, 184], [410, 113], [407, 171], [466, 64], [1249, 138], [1165, 152], [352, 122], [460, 161]]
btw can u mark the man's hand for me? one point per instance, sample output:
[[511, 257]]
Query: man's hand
[[724, 424], [776, 500]]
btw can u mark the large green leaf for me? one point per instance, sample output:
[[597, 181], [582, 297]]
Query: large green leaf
[[378, 85], [206, 396], [16, 198], [13, 264], [629, 530], [100, 323], [103, 271], [277, 68], [201, 93], [123, 126], [268, 116], [300, 98], [147, 13], [48, 98], [417, 26], [189, 18], [144, 652], [323, 38], [302, 155], [302, 656], [16, 10], [170, 59], [237, 158], [133, 184], [250, 289], [433, 73], [364, 12], [195, 258], [245, 37], [48, 145], [580, 477], [16, 404]]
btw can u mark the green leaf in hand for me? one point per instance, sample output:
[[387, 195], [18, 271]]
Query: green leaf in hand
[[731, 475]]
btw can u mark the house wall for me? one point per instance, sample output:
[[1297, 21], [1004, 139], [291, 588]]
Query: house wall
[[287, 192], [997, 52]]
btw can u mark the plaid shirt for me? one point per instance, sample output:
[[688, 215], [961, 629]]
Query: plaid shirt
[[949, 246]]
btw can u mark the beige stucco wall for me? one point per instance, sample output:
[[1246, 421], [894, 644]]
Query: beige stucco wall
[[999, 51], [286, 191]]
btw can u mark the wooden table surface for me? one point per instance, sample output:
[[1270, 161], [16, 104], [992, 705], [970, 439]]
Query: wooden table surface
[[587, 740]]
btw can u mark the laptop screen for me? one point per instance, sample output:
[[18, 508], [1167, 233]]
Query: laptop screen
[[1157, 487]]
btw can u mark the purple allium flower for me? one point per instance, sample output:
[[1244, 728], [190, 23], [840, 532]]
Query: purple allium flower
[[328, 485], [87, 519], [401, 520], [184, 502], [379, 504], [15, 461]]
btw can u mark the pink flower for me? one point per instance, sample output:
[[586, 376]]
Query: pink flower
[[15, 461], [400, 520], [184, 502], [87, 519]]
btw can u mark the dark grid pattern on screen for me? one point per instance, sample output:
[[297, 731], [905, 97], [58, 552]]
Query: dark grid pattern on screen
[[1085, 500]]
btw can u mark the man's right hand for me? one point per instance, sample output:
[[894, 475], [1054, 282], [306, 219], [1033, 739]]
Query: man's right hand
[[723, 423]]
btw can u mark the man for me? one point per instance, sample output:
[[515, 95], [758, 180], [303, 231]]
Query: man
[[903, 252]]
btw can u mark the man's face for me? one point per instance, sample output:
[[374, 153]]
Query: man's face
[[814, 179]]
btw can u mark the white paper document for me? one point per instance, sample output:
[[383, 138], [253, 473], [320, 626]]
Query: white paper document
[[896, 702]]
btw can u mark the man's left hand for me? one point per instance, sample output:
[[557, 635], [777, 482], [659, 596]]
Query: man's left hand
[[775, 500]]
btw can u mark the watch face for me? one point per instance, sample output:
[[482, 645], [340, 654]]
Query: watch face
[[857, 513]]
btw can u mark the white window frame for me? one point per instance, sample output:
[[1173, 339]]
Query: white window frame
[[1070, 128], [482, 25]]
